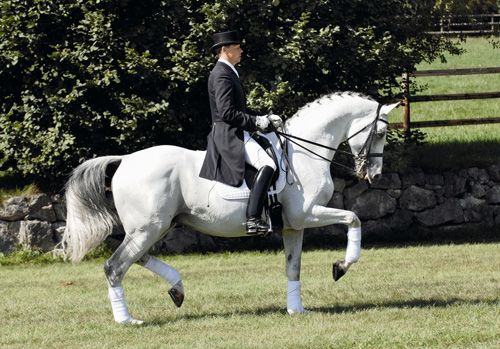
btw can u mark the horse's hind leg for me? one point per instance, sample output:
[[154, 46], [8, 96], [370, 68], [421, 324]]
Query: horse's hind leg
[[133, 247], [168, 273]]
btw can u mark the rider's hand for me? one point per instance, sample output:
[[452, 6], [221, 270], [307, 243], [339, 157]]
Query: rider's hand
[[275, 120], [262, 123]]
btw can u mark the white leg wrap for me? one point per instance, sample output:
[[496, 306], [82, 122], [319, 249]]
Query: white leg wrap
[[353, 245], [293, 298], [171, 275], [120, 311]]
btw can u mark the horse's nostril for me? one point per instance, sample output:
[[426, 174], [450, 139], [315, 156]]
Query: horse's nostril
[[375, 177]]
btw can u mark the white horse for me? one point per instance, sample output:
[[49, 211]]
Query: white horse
[[156, 188]]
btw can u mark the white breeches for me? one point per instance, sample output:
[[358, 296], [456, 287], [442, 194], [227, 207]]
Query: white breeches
[[255, 155]]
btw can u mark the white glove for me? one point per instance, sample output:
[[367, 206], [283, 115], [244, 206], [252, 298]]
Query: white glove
[[275, 120], [262, 123]]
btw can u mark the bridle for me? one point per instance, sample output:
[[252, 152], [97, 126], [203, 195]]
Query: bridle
[[363, 155]]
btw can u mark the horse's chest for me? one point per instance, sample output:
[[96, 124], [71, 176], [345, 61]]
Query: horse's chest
[[320, 190]]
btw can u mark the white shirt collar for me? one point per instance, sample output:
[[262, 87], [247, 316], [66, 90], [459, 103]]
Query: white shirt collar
[[229, 64]]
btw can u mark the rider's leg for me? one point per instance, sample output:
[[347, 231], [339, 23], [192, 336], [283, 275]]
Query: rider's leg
[[258, 158]]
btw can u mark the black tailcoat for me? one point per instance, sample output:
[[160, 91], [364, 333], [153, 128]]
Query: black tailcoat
[[225, 159]]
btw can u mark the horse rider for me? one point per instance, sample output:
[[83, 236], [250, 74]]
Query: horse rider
[[229, 144]]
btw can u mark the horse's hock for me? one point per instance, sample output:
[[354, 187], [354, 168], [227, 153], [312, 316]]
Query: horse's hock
[[408, 205]]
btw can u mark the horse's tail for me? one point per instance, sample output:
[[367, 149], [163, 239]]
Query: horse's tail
[[91, 214]]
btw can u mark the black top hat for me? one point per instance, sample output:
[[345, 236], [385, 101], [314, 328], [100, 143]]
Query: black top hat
[[225, 38]]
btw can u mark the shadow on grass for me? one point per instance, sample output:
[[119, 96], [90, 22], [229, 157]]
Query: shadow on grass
[[188, 317], [339, 309], [408, 304]]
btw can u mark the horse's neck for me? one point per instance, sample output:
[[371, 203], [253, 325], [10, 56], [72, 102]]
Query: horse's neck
[[328, 130], [329, 121]]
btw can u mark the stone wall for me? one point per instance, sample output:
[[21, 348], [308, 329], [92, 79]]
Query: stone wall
[[35, 222], [401, 206], [419, 205]]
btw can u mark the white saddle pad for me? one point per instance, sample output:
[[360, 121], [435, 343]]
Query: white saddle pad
[[243, 192]]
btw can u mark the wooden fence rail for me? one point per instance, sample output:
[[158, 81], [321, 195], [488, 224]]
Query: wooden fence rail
[[462, 71], [454, 96], [408, 99], [467, 25]]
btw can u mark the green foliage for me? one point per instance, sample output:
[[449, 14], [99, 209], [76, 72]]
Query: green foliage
[[400, 146], [36, 257], [87, 78], [28, 256], [465, 7], [100, 252], [26, 190]]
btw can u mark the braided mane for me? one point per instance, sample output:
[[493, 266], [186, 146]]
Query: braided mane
[[330, 97]]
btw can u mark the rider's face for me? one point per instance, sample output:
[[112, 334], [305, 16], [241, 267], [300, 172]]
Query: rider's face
[[232, 53]]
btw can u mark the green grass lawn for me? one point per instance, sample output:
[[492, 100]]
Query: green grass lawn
[[416, 297], [457, 146]]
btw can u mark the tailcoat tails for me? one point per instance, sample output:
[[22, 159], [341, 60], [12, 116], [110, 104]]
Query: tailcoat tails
[[225, 158]]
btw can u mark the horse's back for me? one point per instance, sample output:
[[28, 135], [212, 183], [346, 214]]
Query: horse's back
[[162, 184], [162, 157], [147, 177], [158, 164]]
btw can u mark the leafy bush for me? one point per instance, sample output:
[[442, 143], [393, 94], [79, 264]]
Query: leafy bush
[[467, 7], [27, 256], [400, 146], [26, 190], [93, 77]]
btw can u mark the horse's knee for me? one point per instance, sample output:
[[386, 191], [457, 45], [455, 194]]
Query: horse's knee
[[353, 220]]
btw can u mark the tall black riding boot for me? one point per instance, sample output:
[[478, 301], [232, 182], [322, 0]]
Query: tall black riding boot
[[255, 224]]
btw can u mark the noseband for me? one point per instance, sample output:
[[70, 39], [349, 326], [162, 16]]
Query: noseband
[[365, 149], [363, 155]]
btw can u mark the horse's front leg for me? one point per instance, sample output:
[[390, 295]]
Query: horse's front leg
[[322, 216], [292, 241], [168, 273]]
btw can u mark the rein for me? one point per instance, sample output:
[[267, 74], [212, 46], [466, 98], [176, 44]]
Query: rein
[[365, 149]]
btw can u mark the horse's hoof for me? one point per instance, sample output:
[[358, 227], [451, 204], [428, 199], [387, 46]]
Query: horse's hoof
[[297, 311], [300, 311], [338, 270], [131, 321], [177, 296]]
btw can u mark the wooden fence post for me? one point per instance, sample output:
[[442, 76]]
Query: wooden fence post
[[406, 111]]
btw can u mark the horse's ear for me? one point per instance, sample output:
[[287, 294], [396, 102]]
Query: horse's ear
[[387, 108]]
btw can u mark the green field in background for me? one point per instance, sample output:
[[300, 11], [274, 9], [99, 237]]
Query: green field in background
[[456, 146]]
